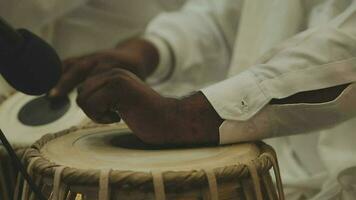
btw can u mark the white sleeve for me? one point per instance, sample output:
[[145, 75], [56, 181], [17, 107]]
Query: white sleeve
[[317, 58], [200, 34], [291, 119], [34, 14]]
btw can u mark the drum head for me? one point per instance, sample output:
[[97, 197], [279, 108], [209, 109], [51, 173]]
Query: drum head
[[24, 119], [42, 111], [116, 148]]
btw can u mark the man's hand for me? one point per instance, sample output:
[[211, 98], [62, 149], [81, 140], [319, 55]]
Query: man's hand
[[153, 118], [137, 56]]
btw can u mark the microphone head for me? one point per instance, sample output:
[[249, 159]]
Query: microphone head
[[32, 67]]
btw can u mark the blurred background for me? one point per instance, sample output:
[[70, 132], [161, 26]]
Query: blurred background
[[78, 27]]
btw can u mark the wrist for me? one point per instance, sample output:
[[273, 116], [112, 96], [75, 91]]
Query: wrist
[[144, 53], [202, 120]]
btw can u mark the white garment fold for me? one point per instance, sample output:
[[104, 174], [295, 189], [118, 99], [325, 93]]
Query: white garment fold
[[298, 45]]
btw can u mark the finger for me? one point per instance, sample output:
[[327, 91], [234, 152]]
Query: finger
[[100, 68], [103, 118], [98, 106], [91, 84], [70, 62], [71, 78], [100, 94], [107, 118]]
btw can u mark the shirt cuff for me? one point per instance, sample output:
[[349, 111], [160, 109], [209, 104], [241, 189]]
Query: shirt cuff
[[291, 119], [237, 98], [165, 66]]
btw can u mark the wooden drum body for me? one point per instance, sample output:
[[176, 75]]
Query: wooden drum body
[[25, 119], [108, 162]]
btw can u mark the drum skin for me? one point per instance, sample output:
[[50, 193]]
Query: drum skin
[[109, 162], [22, 136]]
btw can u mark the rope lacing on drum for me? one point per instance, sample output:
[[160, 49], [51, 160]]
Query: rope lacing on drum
[[104, 184], [26, 189], [58, 192], [18, 180], [272, 158], [17, 192], [255, 179], [265, 160], [158, 184], [213, 186]]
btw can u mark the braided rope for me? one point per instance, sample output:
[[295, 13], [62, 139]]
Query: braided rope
[[256, 180], [104, 185], [158, 184], [213, 186], [58, 188], [26, 188]]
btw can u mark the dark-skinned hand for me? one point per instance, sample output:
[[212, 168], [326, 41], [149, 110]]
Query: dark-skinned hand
[[153, 118], [137, 56], [112, 79]]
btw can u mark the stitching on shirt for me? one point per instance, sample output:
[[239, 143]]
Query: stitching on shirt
[[258, 84]]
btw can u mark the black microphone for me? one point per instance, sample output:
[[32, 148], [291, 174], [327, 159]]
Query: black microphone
[[27, 62], [31, 66]]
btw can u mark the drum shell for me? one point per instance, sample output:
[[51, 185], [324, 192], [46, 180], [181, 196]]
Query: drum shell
[[234, 181], [240, 189]]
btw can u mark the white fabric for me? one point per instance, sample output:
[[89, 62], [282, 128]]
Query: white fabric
[[201, 35], [165, 64], [77, 27], [273, 49], [251, 41]]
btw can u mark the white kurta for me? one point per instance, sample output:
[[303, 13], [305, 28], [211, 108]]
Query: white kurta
[[271, 49]]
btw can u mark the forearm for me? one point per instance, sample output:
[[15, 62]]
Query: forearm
[[168, 121], [200, 120]]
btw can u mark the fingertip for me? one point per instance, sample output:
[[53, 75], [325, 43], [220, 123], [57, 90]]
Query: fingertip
[[53, 93]]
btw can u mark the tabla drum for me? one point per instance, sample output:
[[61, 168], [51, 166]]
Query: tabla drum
[[25, 119], [109, 162]]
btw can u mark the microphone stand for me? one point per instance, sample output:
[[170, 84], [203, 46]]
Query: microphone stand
[[16, 161]]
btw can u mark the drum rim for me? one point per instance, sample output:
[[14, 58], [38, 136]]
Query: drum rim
[[174, 180]]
